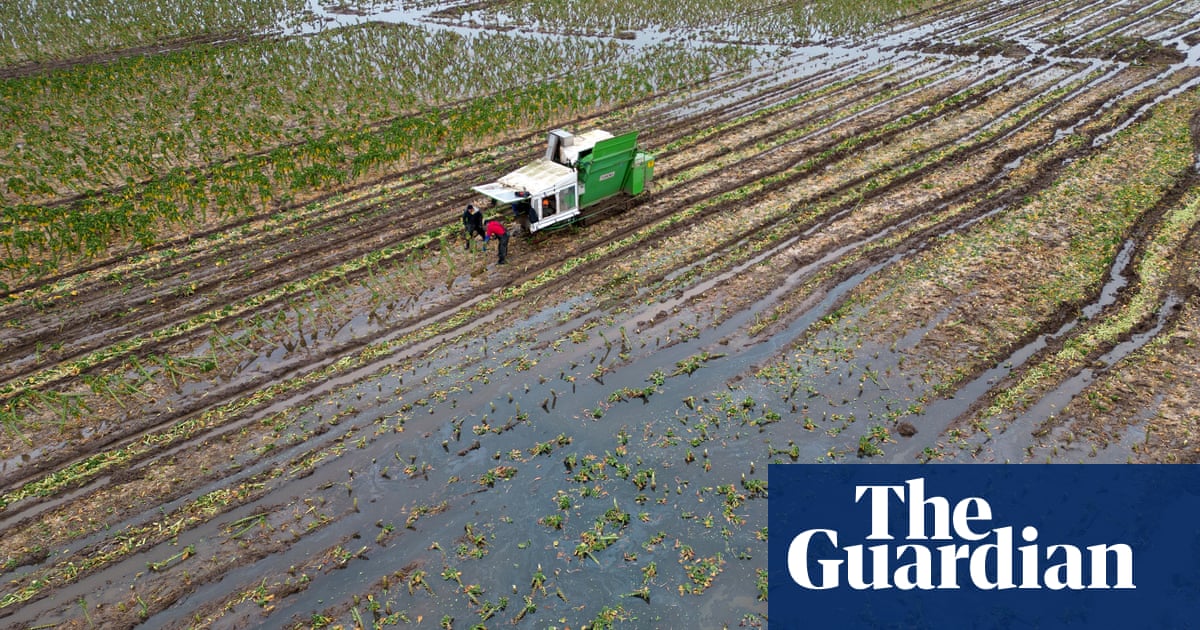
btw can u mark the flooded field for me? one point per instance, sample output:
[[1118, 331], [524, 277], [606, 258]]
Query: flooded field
[[251, 377]]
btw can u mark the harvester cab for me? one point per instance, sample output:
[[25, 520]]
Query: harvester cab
[[576, 172]]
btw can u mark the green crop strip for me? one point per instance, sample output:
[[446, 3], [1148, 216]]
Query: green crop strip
[[71, 132], [291, 220], [1171, 158]]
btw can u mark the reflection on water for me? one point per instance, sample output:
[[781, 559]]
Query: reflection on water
[[321, 15], [761, 21]]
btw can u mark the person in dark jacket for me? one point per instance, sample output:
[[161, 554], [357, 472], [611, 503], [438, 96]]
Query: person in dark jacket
[[495, 229], [472, 221]]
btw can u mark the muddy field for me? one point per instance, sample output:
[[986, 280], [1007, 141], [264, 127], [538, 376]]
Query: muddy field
[[968, 235]]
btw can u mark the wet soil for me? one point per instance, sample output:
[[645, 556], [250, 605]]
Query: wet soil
[[889, 251]]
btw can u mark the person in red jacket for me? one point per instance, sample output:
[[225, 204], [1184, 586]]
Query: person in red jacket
[[495, 229]]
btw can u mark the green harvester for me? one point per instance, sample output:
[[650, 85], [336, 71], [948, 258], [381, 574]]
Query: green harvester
[[577, 172]]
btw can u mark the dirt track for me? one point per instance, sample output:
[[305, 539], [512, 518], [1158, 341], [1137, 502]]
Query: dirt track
[[973, 245]]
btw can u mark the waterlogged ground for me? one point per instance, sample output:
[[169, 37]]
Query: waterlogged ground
[[969, 236]]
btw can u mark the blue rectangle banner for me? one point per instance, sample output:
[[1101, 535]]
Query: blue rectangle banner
[[984, 546]]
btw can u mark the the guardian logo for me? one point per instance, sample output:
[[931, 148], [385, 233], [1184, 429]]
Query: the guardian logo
[[949, 546]]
